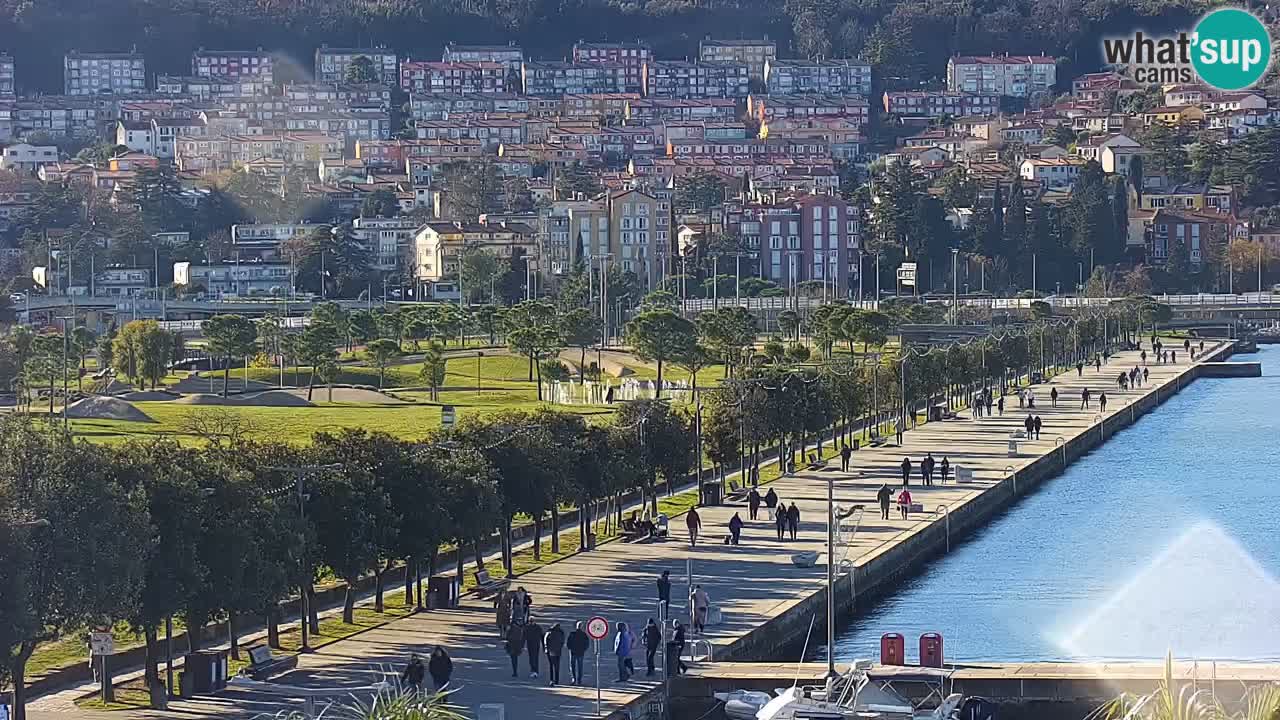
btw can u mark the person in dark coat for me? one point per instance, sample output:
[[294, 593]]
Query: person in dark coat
[[906, 471], [771, 499], [1030, 426], [945, 467], [440, 667], [753, 503], [780, 520], [664, 590], [413, 673], [694, 522], [554, 644], [533, 635], [515, 646], [1036, 424], [793, 519], [845, 453], [884, 496], [652, 643], [577, 644], [735, 528], [926, 466], [675, 649]]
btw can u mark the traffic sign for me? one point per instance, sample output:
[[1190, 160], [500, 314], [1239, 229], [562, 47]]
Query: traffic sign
[[101, 643], [447, 416], [597, 628], [907, 273]]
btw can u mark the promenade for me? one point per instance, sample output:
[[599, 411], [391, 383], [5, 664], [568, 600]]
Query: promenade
[[750, 583]]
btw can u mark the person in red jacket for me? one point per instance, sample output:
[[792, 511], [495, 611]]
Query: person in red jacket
[[904, 503]]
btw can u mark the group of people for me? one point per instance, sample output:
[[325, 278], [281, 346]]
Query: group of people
[[981, 402], [786, 519], [1033, 425], [927, 466], [885, 497], [1133, 378], [440, 668]]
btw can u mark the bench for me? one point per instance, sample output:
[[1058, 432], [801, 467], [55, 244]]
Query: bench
[[263, 665], [878, 440], [485, 585]]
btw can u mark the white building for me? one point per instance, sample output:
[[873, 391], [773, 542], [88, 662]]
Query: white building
[[121, 282], [1053, 173], [253, 278], [234, 64], [27, 158], [6, 76], [386, 239], [104, 73], [264, 240], [1020, 76]]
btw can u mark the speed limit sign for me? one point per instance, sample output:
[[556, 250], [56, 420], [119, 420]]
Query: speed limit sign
[[597, 628]]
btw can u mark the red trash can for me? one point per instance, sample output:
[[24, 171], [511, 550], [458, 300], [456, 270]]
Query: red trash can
[[931, 650], [893, 649]]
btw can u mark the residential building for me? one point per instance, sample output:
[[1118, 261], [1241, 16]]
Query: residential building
[[1226, 101], [1094, 87], [1020, 76], [1091, 148], [488, 132], [841, 135], [837, 77], [133, 161], [1119, 159], [937, 104], [575, 229], [1238, 123], [639, 235], [203, 154], [442, 106], [511, 55], [1052, 173], [1188, 196], [234, 64], [25, 158], [332, 63], [350, 125], [121, 281], [438, 246], [386, 239], [299, 95], [264, 240], [767, 109], [1268, 236], [649, 111], [245, 278], [7, 84], [569, 78], [632, 56], [104, 73], [167, 131], [1174, 115], [696, 80], [810, 237], [453, 77], [1197, 229], [14, 205], [209, 87], [799, 150], [1179, 95], [6, 122], [752, 53]]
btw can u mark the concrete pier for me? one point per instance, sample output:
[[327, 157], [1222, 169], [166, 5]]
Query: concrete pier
[[1231, 369]]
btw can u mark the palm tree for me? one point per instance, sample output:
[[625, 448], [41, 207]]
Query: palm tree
[[1170, 701], [395, 702]]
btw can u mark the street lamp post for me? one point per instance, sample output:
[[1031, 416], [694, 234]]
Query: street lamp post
[[955, 289]]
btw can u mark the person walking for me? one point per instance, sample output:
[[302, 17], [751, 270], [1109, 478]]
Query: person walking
[[1079, 369], [845, 453], [554, 644], [577, 644], [771, 499], [1143, 356], [1102, 401], [701, 602], [675, 650], [780, 522], [735, 529], [884, 495], [1173, 357], [1097, 363], [664, 590], [1000, 406], [413, 673], [694, 522], [753, 503], [989, 401], [945, 467], [1084, 399], [533, 635], [515, 646], [1037, 424], [904, 503], [1053, 396], [622, 651], [793, 519], [1030, 426], [502, 609], [1146, 376], [929, 463], [906, 471], [441, 667], [635, 643], [652, 643], [1186, 344]]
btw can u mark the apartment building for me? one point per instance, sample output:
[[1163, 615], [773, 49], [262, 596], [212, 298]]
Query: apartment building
[[839, 77], [453, 77], [331, 63], [203, 154], [930, 104], [386, 239], [640, 234], [234, 64], [1197, 229], [104, 73], [650, 111], [81, 117], [7, 84], [22, 157], [512, 56], [696, 80], [809, 237], [489, 132], [211, 87], [397, 152], [772, 108], [753, 53], [632, 56], [121, 281], [1020, 76], [572, 78], [246, 278], [576, 229], [350, 125], [438, 246], [800, 150], [263, 241], [1052, 173], [441, 106]]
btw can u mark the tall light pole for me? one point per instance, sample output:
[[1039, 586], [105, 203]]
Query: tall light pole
[[955, 288]]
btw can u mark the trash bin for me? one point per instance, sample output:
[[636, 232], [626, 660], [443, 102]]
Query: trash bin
[[206, 671], [935, 413], [711, 492], [1013, 448], [442, 592]]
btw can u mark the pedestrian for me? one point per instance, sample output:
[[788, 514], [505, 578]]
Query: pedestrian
[[753, 503], [1000, 406], [906, 471], [924, 472], [1143, 355], [413, 673], [735, 529], [1097, 363], [793, 519], [577, 643], [780, 520], [515, 646], [1146, 376], [1120, 381], [988, 393], [755, 475], [1030, 426], [701, 602], [884, 496], [694, 522], [1201, 347], [553, 641], [1173, 357], [1186, 344], [622, 650], [771, 499], [1037, 423], [1084, 399], [652, 642], [502, 608], [440, 667], [675, 649], [1102, 401], [929, 463], [904, 503], [664, 590], [845, 452], [1022, 399], [1079, 369], [1053, 396], [533, 635], [946, 467], [521, 601], [630, 662]]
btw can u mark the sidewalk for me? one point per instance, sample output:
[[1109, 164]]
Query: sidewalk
[[750, 583]]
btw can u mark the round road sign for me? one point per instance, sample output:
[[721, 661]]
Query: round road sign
[[597, 628]]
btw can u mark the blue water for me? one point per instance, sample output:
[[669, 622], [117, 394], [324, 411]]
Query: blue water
[[1165, 539]]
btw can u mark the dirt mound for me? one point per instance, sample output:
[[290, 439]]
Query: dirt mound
[[148, 396], [106, 408], [271, 398], [354, 395]]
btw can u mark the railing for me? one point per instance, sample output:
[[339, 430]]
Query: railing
[[1012, 473], [946, 516], [693, 650]]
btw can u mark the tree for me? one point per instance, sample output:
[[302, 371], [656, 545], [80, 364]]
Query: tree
[[958, 189], [330, 262], [381, 353], [231, 337], [480, 270], [699, 192], [659, 334], [141, 352], [471, 189], [870, 327], [727, 332], [380, 203], [434, 368], [532, 330], [316, 349], [580, 328], [576, 181], [1178, 265], [361, 71]]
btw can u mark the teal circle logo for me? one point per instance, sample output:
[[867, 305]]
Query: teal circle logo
[[1230, 49]]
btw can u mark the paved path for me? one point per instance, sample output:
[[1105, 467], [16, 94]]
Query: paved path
[[749, 582]]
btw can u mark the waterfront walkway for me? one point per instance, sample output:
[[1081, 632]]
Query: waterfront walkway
[[750, 583]]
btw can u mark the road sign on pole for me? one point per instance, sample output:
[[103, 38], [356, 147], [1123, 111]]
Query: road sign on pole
[[597, 629], [447, 416]]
